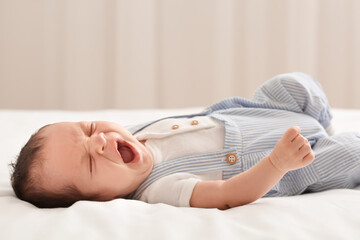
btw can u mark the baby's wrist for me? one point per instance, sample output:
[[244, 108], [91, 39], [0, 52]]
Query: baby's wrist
[[279, 169]]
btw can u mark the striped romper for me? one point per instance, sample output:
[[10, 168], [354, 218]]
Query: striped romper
[[253, 127]]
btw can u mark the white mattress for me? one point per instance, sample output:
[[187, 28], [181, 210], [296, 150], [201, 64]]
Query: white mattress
[[333, 214]]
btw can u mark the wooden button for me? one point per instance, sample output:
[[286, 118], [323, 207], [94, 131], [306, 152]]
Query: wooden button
[[194, 122], [231, 158], [175, 127]]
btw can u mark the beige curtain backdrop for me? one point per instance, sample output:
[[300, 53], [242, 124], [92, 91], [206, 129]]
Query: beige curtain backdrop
[[92, 54]]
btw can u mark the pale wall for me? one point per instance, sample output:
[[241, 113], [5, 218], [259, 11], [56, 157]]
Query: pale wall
[[91, 54]]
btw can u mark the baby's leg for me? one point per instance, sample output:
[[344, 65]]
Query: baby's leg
[[295, 92], [337, 162]]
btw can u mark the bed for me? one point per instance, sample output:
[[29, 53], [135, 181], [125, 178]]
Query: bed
[[333, 214]]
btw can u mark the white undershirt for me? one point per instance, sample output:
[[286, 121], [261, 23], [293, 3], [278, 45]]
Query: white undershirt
[[167, 143]]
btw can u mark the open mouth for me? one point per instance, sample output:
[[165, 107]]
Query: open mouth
[[125, 152]]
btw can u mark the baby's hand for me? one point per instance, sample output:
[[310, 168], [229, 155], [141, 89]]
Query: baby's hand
[[291, 151]]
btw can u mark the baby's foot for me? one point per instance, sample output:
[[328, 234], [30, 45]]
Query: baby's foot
[[291, 151]]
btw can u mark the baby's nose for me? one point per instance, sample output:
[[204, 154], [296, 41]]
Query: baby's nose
[[98, 142]]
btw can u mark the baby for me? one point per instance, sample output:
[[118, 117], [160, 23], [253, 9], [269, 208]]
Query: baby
[[279, 143]]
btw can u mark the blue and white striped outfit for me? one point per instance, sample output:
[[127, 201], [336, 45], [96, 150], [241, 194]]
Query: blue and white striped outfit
[[253, 127]]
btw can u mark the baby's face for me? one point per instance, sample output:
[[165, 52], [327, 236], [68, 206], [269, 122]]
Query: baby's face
[[97, 157]]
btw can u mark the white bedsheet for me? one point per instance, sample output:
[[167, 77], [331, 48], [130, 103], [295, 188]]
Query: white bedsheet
[[333, 214]]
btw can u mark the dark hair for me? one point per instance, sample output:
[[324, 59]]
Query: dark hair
[[26, 178]]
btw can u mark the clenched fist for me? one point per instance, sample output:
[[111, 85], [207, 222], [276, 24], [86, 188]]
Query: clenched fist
[[291, 151]]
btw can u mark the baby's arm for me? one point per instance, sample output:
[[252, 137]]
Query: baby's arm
[[291, 152]]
